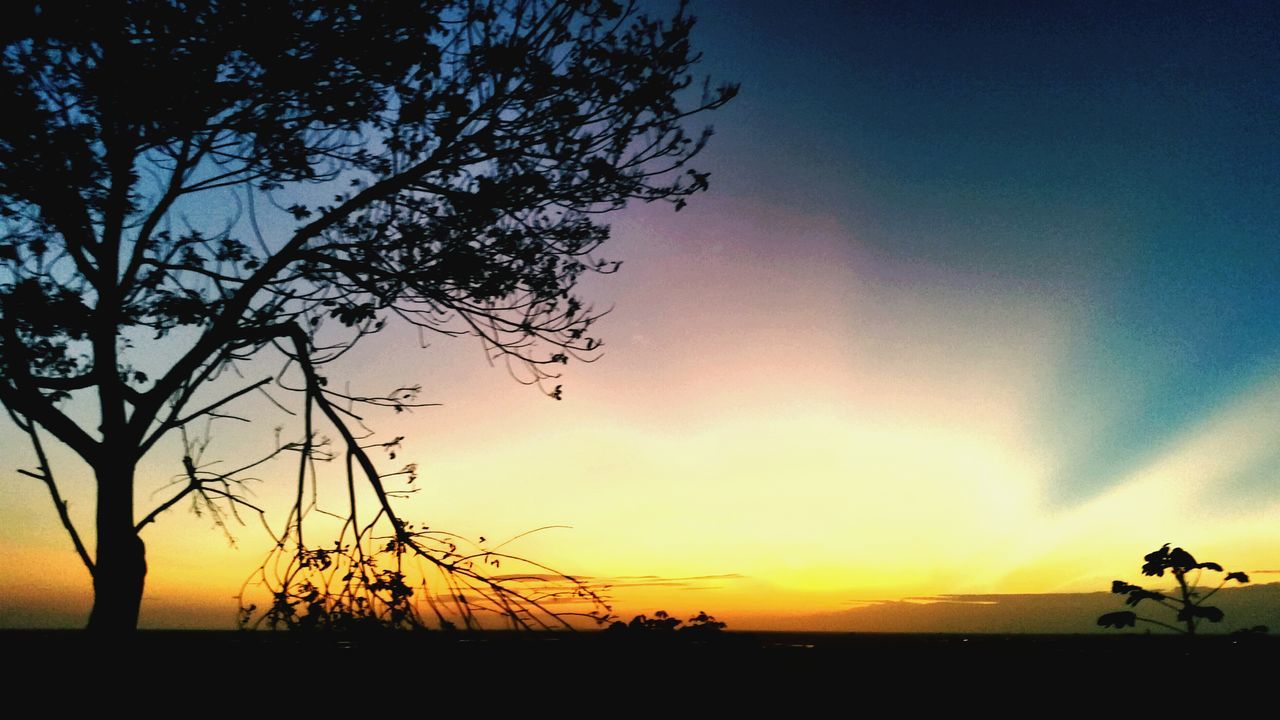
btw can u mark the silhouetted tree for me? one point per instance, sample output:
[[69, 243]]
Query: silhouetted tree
[[439, 163], [1188, 602]]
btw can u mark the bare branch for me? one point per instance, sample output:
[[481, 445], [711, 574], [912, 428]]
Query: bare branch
[[206, 410], [45, 475]]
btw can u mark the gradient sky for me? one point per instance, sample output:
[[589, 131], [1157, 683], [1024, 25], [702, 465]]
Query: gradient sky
[[985, 297]]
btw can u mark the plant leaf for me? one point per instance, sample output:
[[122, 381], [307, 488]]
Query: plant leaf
[[1117, 620]]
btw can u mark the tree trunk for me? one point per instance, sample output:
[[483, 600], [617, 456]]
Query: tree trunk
[[121, 566]]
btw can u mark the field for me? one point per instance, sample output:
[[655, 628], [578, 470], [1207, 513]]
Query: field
[[920, 670]]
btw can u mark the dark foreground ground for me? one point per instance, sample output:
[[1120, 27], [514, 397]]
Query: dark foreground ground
[[399, 671]]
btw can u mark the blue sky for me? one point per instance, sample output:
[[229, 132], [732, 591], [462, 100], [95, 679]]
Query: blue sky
[[1120, 159]]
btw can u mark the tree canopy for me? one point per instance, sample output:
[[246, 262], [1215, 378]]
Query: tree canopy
[[443, 164]]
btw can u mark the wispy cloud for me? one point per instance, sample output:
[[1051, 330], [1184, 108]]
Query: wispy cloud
[[692, 582]]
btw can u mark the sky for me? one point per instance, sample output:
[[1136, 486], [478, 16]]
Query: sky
[[982, 299]]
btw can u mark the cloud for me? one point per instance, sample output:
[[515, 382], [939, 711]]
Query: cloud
[[1030, 613], [1178, 496], [693, 582]]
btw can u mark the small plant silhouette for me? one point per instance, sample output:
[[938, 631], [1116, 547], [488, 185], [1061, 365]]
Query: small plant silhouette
[[1188, 603]]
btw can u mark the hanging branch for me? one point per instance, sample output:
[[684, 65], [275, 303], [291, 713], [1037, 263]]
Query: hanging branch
[[45, 475], [374, 588]]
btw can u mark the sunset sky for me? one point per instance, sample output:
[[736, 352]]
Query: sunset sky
[[984, 298]]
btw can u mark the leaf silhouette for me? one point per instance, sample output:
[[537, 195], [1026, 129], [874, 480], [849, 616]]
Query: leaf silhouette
[[1120, 619], [1182, 560], [1156, 562], [1137, 595], [1191, 612]]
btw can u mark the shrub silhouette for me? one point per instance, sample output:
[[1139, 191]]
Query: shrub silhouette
[[1189, 602], [704, 624], [662, 624]]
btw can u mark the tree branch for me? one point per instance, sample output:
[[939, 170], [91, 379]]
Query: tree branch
[[174, 190], [46, 476], [19, 394], [172, 423], [226, 326]]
